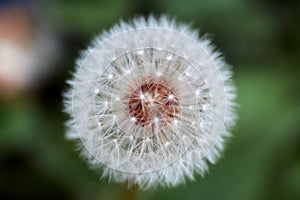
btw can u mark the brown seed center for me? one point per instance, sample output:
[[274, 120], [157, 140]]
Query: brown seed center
[[154, 104]]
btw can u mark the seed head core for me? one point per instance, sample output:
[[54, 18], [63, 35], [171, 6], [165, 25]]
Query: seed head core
[[154, 103]]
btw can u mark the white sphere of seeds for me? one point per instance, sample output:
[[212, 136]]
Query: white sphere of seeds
[[150, 103]]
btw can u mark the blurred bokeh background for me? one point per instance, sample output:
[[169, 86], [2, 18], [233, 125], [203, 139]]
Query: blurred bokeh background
[[39, 42]]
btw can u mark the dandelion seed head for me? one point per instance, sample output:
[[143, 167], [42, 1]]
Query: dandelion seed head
[[150, 103]]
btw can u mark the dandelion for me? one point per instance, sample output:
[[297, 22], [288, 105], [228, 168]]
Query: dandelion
[[150, 103]]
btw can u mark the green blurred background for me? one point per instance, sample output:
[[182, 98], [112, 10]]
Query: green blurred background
[[259, 38]]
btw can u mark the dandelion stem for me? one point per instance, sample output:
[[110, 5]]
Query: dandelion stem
[[128, 193]]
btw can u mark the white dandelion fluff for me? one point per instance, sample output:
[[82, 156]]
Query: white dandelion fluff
[[150, 103]]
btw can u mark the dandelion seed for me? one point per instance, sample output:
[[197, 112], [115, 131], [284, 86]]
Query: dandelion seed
[[97, 90], [140, 52], [170, 97], [142, 96], [169, 57], [160, 109]]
